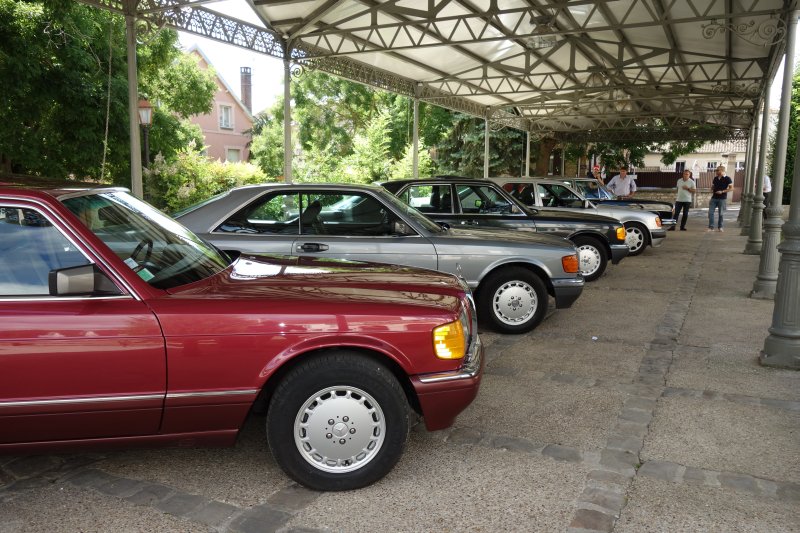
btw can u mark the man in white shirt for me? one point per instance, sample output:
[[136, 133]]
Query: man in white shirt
[[622, 185], [766, 190], [683, 201]]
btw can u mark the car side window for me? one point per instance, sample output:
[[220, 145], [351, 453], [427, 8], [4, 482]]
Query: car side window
[[348, 214], [482, 199], [30, 247], [273, 213], [547, 196], [566, 198], [522, 192], [429, 198]]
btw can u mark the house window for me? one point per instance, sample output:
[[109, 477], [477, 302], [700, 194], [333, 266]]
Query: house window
[[234, 155], [711, 166], [680, 166], [740, 165], [226, 117]]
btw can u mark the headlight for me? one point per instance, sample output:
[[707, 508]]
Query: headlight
[[621, 233], [450, 340], [658, 222]]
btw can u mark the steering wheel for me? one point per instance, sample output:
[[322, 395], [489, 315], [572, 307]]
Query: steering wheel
[[148, 243]]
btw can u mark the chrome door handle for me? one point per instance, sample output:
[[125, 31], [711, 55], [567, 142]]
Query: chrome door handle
[[311, 247]]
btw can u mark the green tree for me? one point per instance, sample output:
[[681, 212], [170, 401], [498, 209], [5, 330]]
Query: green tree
[[370, 158], [59, 55], [266, 148], [791, 142], [461, 151], [404, 168]]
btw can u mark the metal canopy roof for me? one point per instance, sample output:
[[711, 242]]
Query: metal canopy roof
[[575, 70]]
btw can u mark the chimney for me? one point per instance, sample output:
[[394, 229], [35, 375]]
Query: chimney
[[247, 88]]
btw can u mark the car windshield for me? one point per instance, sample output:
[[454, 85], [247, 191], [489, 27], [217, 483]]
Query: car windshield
[[161, 251], [411, 213]]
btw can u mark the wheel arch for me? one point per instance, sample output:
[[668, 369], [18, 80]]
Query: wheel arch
[[595, 236], [261, 403], [533, 267]]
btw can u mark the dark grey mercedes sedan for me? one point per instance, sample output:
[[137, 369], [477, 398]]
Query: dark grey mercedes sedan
[[511, 273], [461, 201]]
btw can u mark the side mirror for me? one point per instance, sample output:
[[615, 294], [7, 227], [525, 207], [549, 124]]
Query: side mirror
[[400, 228], [81, 280], [444, 225]]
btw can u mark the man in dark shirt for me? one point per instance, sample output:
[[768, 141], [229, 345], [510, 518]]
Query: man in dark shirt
[[720, 187]]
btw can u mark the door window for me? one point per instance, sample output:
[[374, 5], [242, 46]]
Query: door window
[[482, 199], [429, 198], [30, 247]]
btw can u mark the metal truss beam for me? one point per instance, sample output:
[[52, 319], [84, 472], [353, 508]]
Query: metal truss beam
[[651, 135], [430, 29], [638, 83]]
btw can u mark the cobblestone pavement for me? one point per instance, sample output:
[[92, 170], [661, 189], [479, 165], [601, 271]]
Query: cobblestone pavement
[[642, 408]]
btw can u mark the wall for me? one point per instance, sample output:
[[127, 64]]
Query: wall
[[217, 139]]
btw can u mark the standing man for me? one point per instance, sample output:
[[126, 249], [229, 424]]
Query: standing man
[[686, 188], [622, 185], [767, 188], [720, 187]]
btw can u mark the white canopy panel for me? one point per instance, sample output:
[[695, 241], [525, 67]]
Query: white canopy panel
[[561, 68]]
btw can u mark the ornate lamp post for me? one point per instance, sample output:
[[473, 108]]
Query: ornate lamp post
[[145, 120]]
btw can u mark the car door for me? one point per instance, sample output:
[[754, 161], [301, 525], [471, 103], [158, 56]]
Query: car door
[[356, 225], [77, 367]]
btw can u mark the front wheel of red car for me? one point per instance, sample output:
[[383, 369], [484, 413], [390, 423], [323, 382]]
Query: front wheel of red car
[[338, 421]]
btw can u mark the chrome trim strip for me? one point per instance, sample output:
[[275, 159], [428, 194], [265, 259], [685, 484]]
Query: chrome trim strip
[[26, 403], [173, 395], [470, 369], [578, 282], [43, 298]]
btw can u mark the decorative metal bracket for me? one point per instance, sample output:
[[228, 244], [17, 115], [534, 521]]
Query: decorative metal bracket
[[768, 32]]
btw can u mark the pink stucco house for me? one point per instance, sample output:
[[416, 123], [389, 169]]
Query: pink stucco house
[[224, 128]]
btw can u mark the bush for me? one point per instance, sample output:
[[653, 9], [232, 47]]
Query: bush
[[191, 177]]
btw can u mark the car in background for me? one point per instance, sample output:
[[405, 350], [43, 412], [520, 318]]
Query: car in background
[[511, 273], [461, 201], [120, 327], [598, 194], [642, 228]]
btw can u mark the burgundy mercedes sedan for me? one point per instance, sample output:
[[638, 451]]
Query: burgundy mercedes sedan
[[119, 327]]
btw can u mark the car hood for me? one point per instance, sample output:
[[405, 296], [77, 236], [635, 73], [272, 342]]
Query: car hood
[[286, 277], [643, 204], [507, 236]]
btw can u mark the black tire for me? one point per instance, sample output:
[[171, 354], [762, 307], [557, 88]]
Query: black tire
[[637, 238], [592, 258], [369, 411], [512, 300]]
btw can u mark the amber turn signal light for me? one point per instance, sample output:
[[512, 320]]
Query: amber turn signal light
[[570, 263], [449, 341]]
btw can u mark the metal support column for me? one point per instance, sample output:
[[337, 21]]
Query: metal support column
[[287, 114], [527, 153], [415, 145], [782, 346], [754, 242], [486, 148], [133, 101], [747, 189], [767, 278], [563, 161]]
